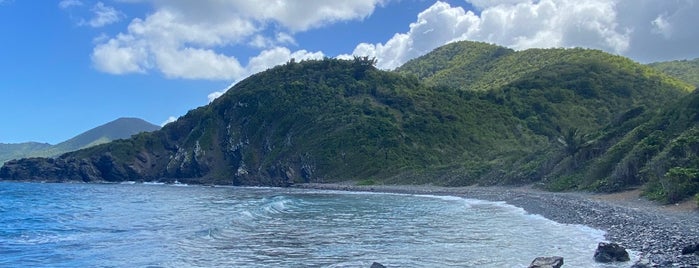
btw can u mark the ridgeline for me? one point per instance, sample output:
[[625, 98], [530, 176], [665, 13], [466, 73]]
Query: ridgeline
[[121, 128], [466, 113]]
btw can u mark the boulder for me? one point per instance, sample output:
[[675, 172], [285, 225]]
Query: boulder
[[689, 249], [611, 252], [547, 262], [377, 265]]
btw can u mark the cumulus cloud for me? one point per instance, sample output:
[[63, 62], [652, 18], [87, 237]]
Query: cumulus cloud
[[102, 14], [291, 14], [267, 59], [644, 30], [515, 24], [188, 39]]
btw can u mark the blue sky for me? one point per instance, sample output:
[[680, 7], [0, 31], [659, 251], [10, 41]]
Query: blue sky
[[71, 65]]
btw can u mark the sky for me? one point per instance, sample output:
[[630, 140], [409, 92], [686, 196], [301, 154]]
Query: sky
[[67, 66]]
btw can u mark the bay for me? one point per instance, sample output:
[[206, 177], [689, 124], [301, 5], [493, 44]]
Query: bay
[[141, 225]]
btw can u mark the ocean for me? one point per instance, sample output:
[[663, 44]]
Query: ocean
[[155, 225]]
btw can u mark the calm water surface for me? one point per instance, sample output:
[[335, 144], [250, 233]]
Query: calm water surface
[[138, 225]]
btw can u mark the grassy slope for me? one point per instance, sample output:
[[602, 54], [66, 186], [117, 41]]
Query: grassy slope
[[118, 129], [584, 101], [20, 150]]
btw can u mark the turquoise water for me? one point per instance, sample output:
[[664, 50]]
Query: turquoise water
[[138, 225]]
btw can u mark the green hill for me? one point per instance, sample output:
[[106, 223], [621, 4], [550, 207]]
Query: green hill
[[548, 116], [121, 128], [660, 151], [687, 70], [10, 151]]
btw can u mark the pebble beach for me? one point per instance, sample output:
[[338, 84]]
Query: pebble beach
[[658, 233]]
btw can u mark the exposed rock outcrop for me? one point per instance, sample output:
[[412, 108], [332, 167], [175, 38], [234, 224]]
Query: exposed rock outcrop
[[377, 265], [689, 249], [611, 252], [547, 262]]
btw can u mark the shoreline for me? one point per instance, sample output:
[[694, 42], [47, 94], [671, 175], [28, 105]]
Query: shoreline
[[657, 232]]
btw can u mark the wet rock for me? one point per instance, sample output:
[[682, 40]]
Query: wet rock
[[689, 249], [611, 252], [377, 265], [547, 262]]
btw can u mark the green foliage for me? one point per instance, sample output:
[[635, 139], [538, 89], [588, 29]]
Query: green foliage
[[677, 184], [466, 113], [20, 150], [687, 70], [457, 65], [366, 182], [562, 183], [118, 129]]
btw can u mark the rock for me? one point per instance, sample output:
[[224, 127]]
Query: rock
[[693, 248], [547, 262], [377, 265], [611, 252]]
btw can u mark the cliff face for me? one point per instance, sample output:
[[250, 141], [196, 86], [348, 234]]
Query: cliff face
[[334, 120]]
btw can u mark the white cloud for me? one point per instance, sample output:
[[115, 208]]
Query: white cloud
[[644, 30], [168, 121], [515, 24], [213, 95], [103, 15], [188, 62], [267, 59], [279, 55], [69, 3], [189, 39], [115, 58], [661, 26], [292, 14], [284, 38]]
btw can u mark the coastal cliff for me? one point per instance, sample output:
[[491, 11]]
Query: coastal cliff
[[467, 113]]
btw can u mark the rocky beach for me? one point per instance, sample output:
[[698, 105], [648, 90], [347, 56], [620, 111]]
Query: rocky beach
[[658, 233]]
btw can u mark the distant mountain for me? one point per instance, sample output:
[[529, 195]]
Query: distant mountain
[[466, 113], [10, 151], [687, 70], [121, 128]]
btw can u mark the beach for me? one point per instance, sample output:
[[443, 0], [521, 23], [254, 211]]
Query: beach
[[657, 232]]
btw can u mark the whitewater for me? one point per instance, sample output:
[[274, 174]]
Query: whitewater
[[155, 225]]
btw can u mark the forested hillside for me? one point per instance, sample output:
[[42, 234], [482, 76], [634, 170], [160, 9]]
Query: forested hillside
[[687, 70], [466, 113]]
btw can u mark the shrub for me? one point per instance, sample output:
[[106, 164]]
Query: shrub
[[366, 182]]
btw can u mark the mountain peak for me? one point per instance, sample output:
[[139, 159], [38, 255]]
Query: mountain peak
[[120, 128]]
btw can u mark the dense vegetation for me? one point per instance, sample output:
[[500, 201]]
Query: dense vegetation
[[687, 70], [466, 113], [9, 151], [121, 128]]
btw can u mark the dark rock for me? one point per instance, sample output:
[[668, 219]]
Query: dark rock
[[693, 248], [547, 262], [377, 265], [611, 252]]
